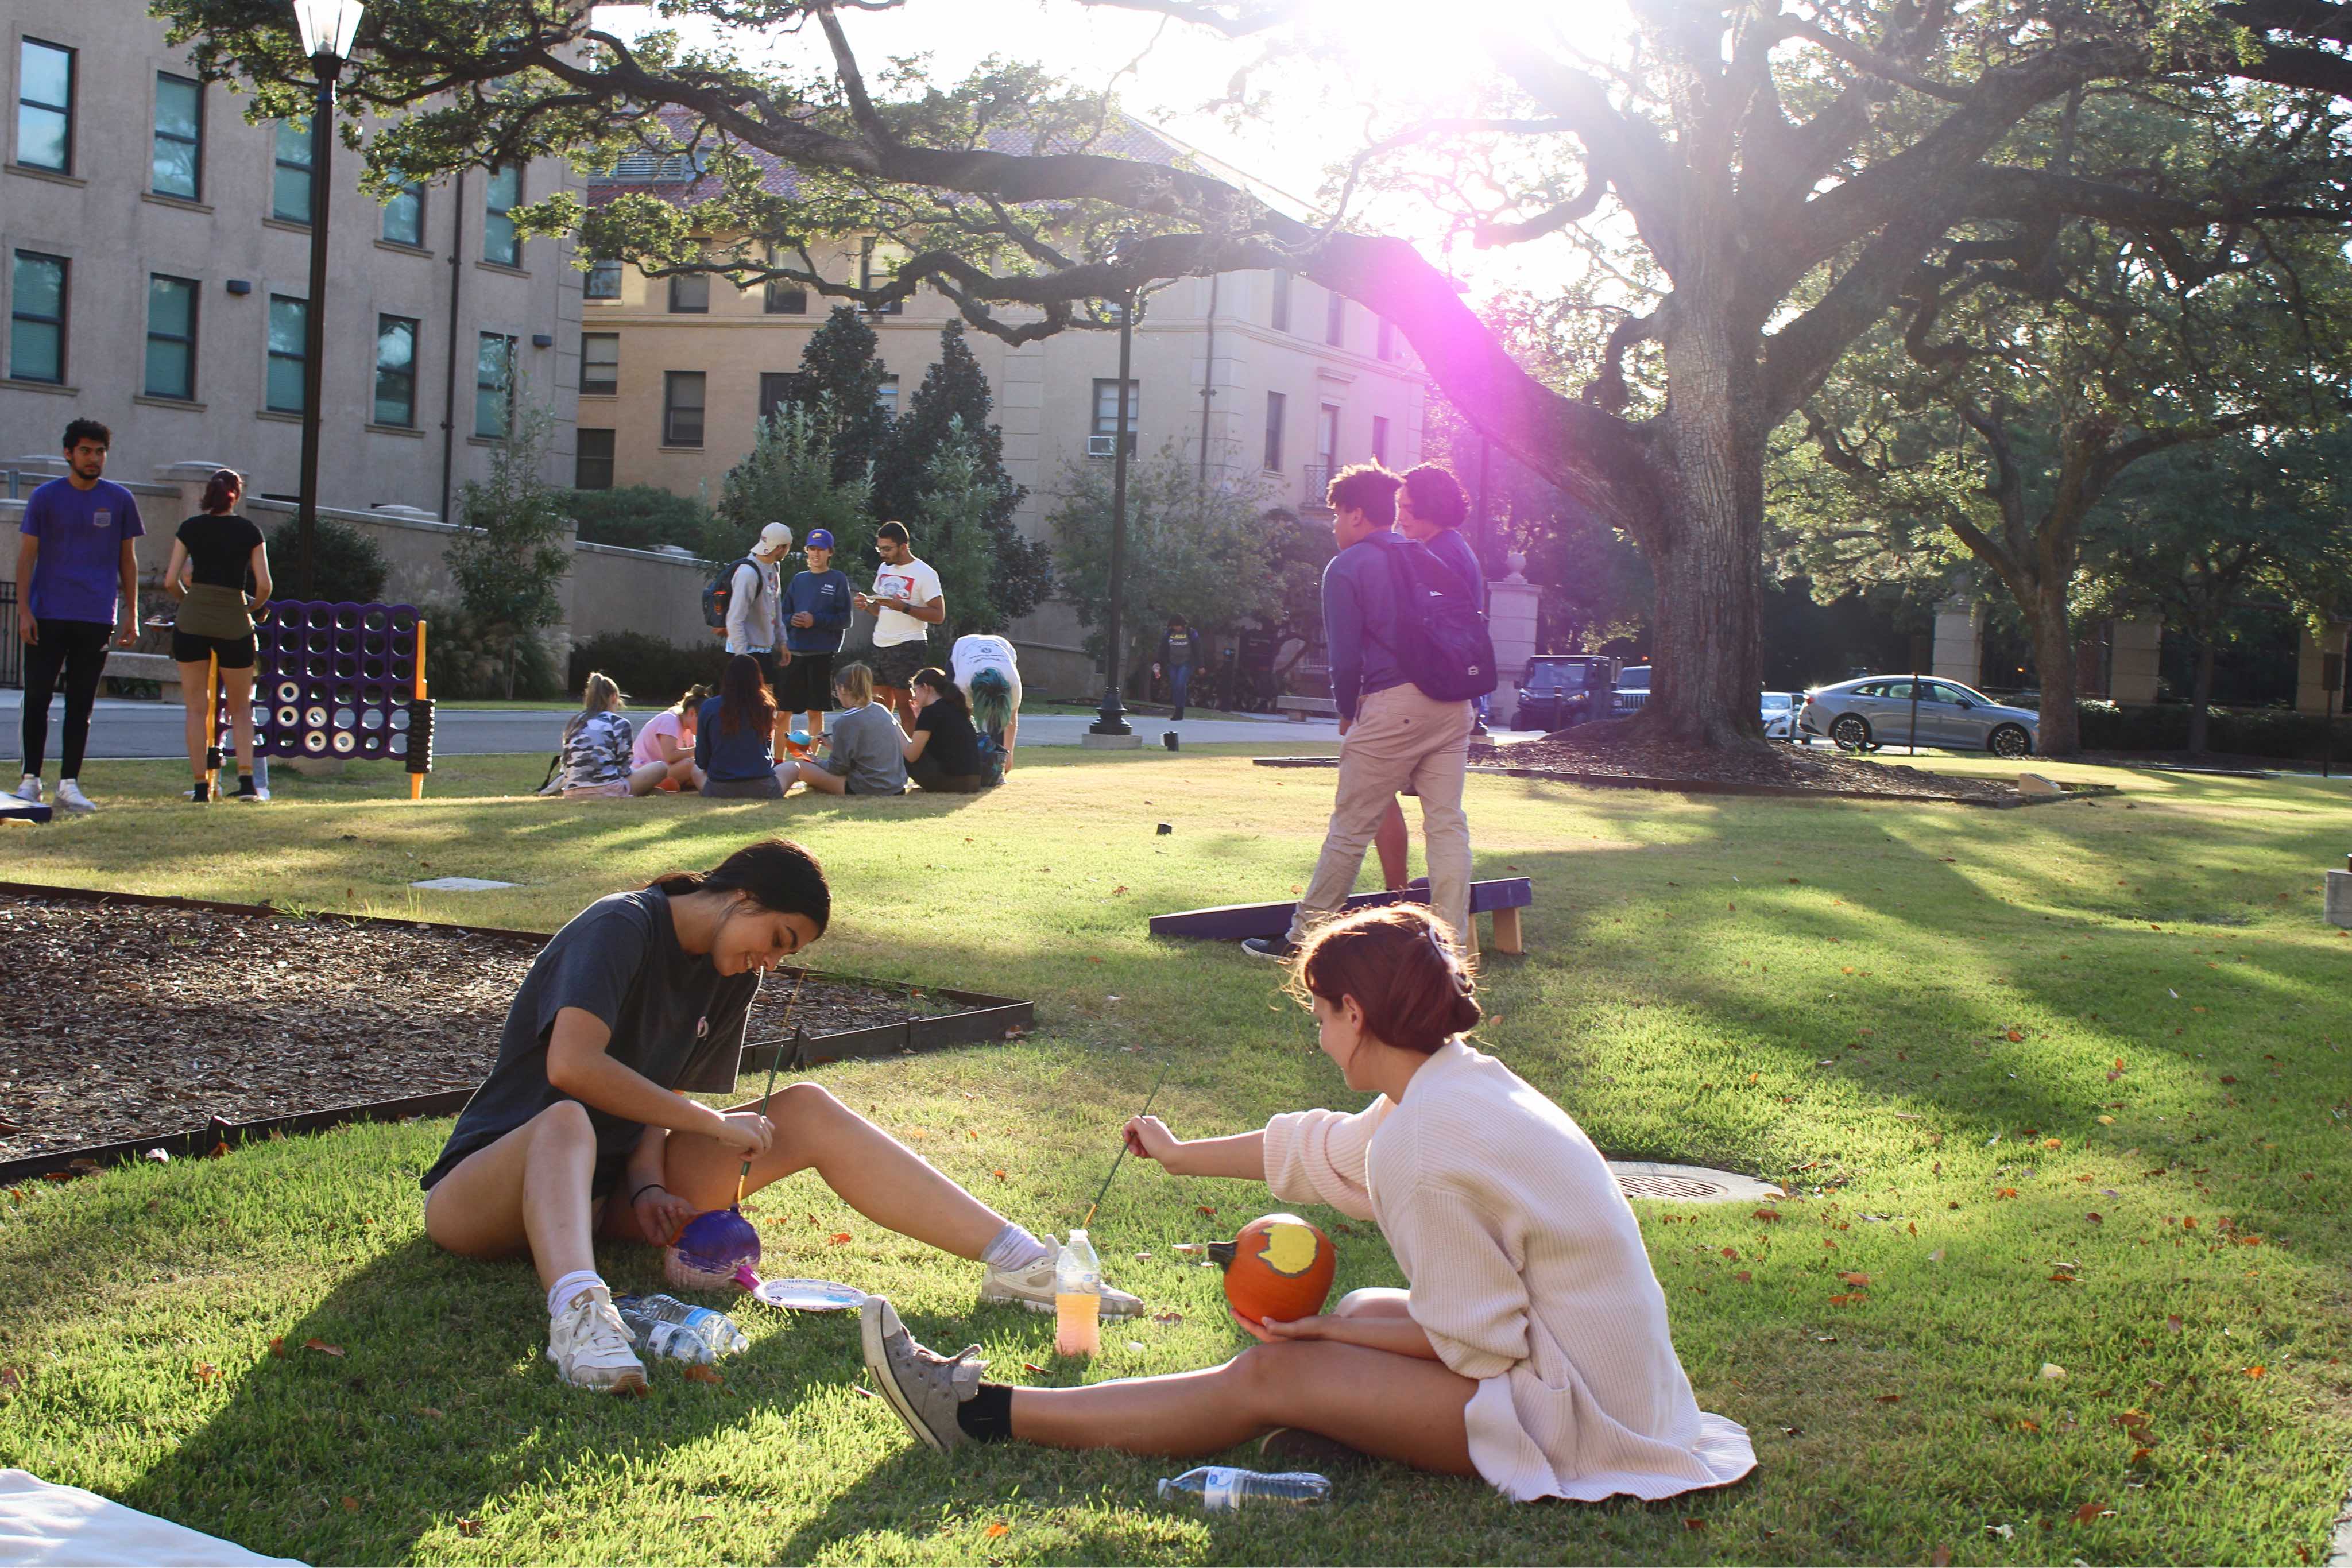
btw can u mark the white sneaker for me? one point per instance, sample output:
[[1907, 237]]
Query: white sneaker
[[1034, 1286], [29, 791], [591, 1346], [71, 797]]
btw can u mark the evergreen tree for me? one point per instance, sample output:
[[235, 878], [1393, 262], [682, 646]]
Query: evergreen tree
[[842, 373], [790, 476], [955, 494], [952, 407]]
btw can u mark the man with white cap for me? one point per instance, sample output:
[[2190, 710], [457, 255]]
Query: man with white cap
[[754, 608]]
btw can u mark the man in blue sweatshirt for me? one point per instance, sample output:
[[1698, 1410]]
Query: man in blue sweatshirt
[[816, 612], [1393, 735]]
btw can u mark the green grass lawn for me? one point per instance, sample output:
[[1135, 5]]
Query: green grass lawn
[[2069, 1085]]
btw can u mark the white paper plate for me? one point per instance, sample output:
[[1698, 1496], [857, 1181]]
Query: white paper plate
[[810, 1295]]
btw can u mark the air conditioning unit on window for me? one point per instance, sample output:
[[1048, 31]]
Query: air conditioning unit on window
[[1102, 446]]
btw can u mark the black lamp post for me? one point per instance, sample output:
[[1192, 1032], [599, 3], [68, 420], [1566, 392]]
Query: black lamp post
[[328, 26], [1113, 720]]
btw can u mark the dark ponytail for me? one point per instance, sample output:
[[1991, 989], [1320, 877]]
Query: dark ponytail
[[777, 874]]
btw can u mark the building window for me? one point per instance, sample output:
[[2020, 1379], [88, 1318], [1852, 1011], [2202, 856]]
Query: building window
[[1335, 320], [501, 194], [885, 396], [395, 371], [1279, 314], [1106, 426], [289, 177], [1275, 405], [1327, 439], [494, 386], [873, 275], [44, 96], [600, 364], [289, 328], [777, 388], [1379, 441], [37, 318], [178, 160], [682, 408], [171, 338], [1386, 346], [784, 299], [603, 280], [403, 215], [689, 294], [591, 466]]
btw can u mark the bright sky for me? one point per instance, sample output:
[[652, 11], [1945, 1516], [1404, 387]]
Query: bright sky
[[1374, 65]]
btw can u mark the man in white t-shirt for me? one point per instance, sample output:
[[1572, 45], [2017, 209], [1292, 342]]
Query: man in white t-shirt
[[996, 706], [906, 603]]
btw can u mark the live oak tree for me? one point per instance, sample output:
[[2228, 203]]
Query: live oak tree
[[1770, 177]]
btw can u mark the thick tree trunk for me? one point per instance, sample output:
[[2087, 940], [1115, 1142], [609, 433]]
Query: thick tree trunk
[[2054, 651], [2202, 697], [1706, 552]]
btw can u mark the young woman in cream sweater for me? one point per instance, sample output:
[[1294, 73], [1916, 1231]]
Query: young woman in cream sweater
[[1530, 1347]]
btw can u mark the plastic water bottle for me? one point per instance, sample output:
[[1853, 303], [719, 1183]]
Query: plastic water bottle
[[1222, 1488], [667, 1327], [1078, 1298]]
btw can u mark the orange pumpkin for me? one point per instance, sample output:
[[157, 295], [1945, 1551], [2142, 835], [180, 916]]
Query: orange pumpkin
[[1277, 1270]]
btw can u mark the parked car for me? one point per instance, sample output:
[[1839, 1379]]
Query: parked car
[[1561, 691], [1633, 692], [1877, 710], [1779, 714]]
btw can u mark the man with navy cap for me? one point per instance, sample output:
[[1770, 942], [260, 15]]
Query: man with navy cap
[[816, 611]]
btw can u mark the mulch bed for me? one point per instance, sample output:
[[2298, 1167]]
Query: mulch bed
[[1771, 769], [130, 1020]]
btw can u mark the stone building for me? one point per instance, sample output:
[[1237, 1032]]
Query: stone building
[[1254, 374], [154, 270]]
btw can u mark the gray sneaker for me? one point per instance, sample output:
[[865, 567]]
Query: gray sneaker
[[1034, 1286], [923, 1388]]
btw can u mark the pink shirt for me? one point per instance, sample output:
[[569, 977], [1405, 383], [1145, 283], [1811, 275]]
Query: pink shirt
[[665, 722]]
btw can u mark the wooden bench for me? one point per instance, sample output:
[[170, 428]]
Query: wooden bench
[[1502, 899], [125, 665], [1299, 707]]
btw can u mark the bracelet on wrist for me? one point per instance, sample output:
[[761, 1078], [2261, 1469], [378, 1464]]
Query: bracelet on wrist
[[644, 1189]]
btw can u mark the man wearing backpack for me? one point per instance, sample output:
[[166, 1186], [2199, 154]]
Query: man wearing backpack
[[1430, 510], [1385, 651], [747, 602]]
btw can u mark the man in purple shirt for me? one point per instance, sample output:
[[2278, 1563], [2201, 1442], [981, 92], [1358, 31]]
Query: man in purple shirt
[[77, 586]]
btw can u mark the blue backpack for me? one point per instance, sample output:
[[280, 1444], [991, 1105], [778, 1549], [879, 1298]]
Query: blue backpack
[[1444, 645]]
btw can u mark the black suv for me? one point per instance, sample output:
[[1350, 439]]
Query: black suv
[[1561, 691]]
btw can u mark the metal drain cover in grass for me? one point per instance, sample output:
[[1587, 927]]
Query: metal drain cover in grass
[[1687, 1184]]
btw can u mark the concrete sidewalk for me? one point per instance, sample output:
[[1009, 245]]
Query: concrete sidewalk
[[121, 730]]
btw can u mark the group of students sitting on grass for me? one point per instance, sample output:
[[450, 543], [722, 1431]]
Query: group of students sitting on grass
[[1529, 1346], [724, 745]]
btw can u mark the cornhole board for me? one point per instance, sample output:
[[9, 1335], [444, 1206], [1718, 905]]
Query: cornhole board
[[11, 806], [1501, 898]]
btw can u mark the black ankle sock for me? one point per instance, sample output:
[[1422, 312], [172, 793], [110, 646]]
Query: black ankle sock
[[987, 1416]]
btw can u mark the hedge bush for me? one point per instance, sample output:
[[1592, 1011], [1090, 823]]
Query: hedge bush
[[652, 671], [345, 566], [2242, 732]]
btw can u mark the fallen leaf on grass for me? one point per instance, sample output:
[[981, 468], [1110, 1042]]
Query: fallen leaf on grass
[[2054, 1372], [839, 1238], [698, 1373], [2173, 1323], [323, 1348], [430, 1410], [350, 1505], [2253, 1372], [1000, 1526], [1890, 1399], [1940, 1558], [1744, 1276], [277, 1346], [2016, 1035], [998, 1175], [1205, 1208], [207, 1371], [469, 1528], [1731, 1251], [1767, 1215], [1693, 1524], [2006, 1192], [2092, 1510], [1170, 1317], [1937, 1256], [1855, 1279], [2094, 1218]]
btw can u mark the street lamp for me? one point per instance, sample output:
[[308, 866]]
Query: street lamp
[[1112, 723], [328, 27]]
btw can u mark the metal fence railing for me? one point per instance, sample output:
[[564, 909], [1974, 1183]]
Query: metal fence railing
[[1317, 479]]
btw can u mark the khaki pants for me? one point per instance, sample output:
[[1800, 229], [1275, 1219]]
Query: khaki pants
[[1400, 737]]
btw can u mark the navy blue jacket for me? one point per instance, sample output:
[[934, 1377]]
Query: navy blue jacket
[[824, 595]]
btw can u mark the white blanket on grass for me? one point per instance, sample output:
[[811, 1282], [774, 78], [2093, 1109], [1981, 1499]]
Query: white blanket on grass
[[65, 1527]]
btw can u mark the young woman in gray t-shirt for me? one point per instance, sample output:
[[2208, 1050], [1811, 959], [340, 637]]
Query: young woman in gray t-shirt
[[580, 1133]]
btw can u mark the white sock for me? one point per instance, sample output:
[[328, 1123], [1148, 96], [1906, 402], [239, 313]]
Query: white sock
[[567, 1289], [1012, 1250]]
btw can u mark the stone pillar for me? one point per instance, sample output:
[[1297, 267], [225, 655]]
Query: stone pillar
[[1959, 640], [2132, 660], [2339, 898], [1511, 621], [2310, 697]]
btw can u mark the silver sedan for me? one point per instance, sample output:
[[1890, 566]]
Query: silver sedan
[[1879, 710]]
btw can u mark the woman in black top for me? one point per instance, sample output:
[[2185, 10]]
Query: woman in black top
[[211, 557], [580, 1133], [943, 754]]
